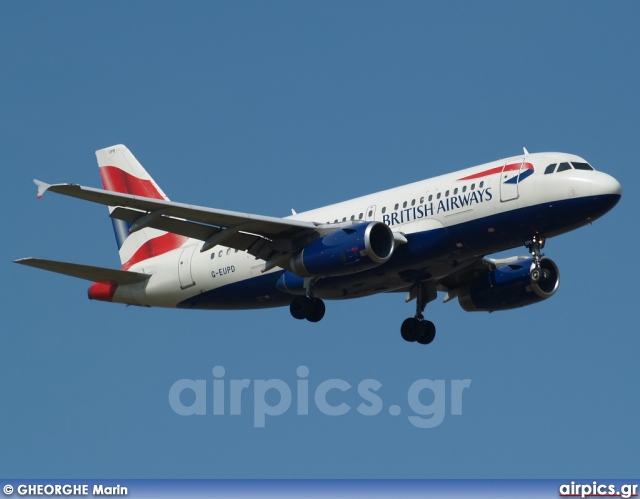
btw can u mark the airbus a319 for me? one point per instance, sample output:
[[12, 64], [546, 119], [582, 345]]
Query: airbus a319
[[418, 239]]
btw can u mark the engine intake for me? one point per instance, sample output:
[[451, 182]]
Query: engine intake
[[509, 286], [345, 251]]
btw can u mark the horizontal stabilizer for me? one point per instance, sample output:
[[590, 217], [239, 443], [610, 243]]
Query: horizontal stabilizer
[[88, 272]]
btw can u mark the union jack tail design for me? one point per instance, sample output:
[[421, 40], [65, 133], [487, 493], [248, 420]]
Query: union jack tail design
[[121, 172]]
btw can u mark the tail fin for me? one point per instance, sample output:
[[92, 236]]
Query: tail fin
[[121, 172]]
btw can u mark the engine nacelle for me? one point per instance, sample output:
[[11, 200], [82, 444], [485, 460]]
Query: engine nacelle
[[345, 251], [509, 286]]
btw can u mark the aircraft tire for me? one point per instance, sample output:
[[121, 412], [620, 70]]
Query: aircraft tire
[[410, 329], [300, 307], [536, 274], [317, 310], [428, 333]]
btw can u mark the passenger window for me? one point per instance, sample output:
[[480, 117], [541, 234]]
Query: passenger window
[[404, 205], [481, 185], [438, 196], [396, 206], [455, 191], [360, 216], [213, 255], [370, 213], [582, 166], [422, 200], [446, 194], [384, 209], [564, 167], [549, 169], [353, 217], [344, 219], [430, 197], [413, 202], [220, 254], [335, 221], [464, 188], [228, 251], [473, 186]]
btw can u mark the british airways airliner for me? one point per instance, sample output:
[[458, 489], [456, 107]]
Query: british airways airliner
[[421, 238]]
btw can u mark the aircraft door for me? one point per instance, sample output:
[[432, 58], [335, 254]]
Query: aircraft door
[[371, 213], [509, 180], [184, 267]]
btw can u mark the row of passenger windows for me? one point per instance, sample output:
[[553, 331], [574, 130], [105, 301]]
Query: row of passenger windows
[[222, 252], [406, 204], [567, 166]]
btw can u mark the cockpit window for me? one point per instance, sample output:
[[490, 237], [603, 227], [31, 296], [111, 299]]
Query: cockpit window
[[582, 166], [563, 167], [549, 169]]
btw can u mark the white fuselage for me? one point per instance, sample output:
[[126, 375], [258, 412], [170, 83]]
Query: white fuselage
[[468, 214]]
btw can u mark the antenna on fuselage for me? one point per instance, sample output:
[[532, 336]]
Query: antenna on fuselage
[[526, 153]]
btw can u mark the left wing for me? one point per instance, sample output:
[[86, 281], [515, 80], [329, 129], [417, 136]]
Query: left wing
[[88, 272], [267, 238]]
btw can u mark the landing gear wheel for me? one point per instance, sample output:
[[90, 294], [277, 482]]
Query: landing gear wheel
[[411, 329], [311, 309], [428, 333], [536, 275], [317, 310], [300, 307]]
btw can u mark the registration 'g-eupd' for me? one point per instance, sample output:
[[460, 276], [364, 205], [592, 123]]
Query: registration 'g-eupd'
[[417, 239]]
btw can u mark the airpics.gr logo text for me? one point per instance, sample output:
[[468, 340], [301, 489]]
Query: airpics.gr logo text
[[425, 399]]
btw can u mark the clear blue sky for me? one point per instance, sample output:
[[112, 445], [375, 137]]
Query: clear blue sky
[[266, 106]]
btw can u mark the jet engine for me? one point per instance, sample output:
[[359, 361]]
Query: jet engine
[[510, 286], [351, 249]]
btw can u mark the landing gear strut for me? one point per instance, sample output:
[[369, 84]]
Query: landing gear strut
[[417, 328], [535, 246], [307, 307]]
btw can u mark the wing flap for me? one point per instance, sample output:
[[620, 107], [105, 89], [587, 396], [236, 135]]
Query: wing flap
[[88, 272], [241, 241], [168, 224]]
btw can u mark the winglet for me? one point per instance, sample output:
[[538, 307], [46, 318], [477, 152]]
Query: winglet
[[42, 187]]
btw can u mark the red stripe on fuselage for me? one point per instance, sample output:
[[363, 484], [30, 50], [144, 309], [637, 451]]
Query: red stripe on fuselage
[[498, 169], [154, 247], [117, 180]]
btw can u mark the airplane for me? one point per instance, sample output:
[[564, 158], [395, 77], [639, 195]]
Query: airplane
[[420, 239]]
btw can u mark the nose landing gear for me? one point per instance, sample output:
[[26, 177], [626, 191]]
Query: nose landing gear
[[535, 246]]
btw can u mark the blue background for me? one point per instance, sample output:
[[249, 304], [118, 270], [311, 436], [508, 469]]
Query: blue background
[[266, 106]]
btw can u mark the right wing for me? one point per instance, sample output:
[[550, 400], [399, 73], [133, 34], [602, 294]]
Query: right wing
[[268, 238]]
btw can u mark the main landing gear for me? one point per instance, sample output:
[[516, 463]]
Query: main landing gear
[[307, 307], [535, 246], [417, 328]]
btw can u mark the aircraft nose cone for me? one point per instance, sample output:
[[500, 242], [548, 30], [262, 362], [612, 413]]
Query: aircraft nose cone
[[603, 185]]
